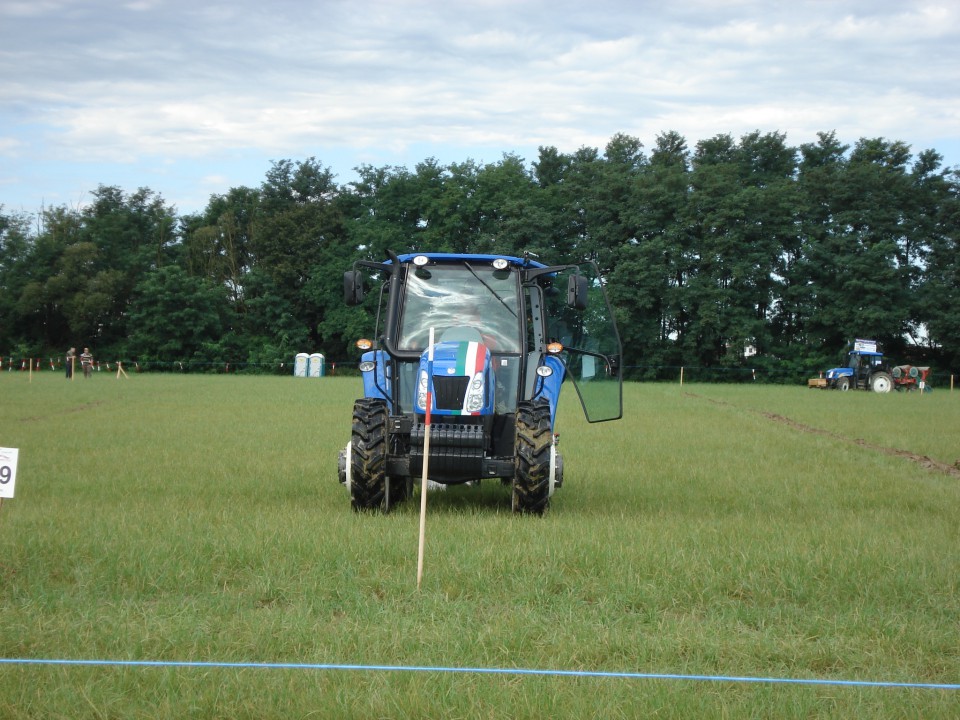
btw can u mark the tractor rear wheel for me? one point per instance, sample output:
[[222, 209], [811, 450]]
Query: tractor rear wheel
[[881, 382], [368, 456], [531, 481]]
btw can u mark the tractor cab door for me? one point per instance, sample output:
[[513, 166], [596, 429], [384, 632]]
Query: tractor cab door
[[588, 331]]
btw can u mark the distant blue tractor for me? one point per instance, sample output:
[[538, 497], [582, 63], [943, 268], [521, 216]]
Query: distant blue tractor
[[507, 332], [865, 370]]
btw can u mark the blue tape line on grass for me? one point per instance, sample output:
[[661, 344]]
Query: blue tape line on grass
[[480, 671]]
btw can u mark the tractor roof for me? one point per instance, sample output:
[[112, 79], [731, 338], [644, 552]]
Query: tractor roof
[[469, 257]]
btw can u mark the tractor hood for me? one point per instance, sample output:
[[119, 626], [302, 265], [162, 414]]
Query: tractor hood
[[459, 380], [834, 373]]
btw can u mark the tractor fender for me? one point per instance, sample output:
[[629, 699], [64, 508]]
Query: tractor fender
[[548, 388], [376, 384]]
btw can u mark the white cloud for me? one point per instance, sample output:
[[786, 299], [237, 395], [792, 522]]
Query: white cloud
[[10, 146], [98, 82]]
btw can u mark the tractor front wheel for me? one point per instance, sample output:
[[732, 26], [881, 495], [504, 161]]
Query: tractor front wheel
[[843, 383], [531, 481], [368, 456], [881, 382]]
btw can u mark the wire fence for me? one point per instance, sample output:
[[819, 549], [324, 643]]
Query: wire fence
[[348, 367], [9, 364]]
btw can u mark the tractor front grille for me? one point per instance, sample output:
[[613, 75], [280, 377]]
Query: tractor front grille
[[449, 391]]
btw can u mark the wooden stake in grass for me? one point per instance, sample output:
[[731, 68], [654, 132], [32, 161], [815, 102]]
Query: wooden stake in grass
[[426, 463]]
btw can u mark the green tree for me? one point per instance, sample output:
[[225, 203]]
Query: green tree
[[217, 244], [15, 247], [269, 331], [383, 211], [174, 316], [765, 227], [511, 221], [588, 198], [553, 204], [649, 277], [300, 239], [42, 286], [132, 234], [860, 269], [812, 314], [939, 294]]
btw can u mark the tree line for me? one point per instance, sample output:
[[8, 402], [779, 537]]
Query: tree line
[[732, 253]]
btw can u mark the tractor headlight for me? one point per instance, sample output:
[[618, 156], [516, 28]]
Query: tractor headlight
[[367, 366], [473, 402], [422, 386], [544, 371]]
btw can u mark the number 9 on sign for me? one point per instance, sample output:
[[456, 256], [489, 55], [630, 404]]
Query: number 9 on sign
[[8, 471]]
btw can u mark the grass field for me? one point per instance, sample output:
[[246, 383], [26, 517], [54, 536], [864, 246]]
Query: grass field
[[735, 531]]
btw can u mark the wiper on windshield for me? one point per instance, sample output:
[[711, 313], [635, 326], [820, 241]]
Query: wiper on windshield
[[492, 291]]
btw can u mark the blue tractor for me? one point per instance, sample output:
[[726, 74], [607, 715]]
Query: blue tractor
[[865, 370], [507, 332]]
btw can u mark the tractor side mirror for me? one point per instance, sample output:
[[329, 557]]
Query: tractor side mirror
[[352, 287], [577, 286]]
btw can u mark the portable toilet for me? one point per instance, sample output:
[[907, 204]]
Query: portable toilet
[[317, 362], [300, 365]]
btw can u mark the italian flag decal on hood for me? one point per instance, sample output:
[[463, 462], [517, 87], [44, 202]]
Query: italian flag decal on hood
[[461, 359], [471, 358]]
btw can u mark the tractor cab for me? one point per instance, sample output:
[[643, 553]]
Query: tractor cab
[[865, 362]]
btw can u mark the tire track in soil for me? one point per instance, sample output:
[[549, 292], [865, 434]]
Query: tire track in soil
[[79, 408], [923, 461]]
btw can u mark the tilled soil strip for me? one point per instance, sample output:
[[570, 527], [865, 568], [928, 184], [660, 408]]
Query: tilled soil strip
[[922, 460]]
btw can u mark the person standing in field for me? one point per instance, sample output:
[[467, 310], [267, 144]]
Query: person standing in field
[[86, 360], [71, 354]]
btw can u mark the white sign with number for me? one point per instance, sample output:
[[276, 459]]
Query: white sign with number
[[8, 471]]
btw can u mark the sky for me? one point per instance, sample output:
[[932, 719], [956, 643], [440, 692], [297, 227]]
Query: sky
[[193, 97]]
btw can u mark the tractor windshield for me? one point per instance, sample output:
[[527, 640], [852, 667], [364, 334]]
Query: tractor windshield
[[461, 301]]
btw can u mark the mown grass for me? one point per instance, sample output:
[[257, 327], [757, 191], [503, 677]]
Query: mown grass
[[199, 519]]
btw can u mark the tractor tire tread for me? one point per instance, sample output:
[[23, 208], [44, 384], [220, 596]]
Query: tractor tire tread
[[368, 466], [531, 485]]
